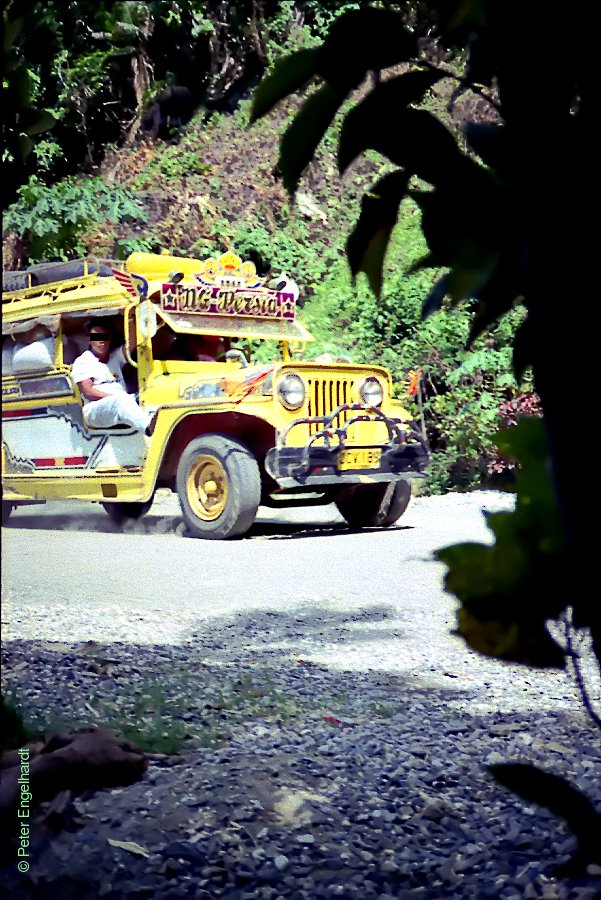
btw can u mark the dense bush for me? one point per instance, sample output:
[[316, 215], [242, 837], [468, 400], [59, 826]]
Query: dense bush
[[53, 219]]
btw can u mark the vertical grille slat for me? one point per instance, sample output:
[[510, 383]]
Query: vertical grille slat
[[325, 395]]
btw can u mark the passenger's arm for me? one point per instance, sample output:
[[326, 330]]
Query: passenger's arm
[[90, 391]]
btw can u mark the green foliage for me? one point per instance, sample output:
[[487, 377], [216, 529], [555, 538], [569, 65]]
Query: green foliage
[[145, 244], [22, 118], [54, 219], [509, 590]]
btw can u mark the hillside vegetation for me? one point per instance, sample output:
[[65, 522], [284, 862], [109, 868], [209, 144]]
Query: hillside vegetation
[[202, 184]]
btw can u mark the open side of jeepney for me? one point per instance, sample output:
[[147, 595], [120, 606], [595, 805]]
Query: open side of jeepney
[[230, 433]]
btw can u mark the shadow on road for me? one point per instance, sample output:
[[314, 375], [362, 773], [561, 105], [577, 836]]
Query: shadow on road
[[152, 524], [256, 724]]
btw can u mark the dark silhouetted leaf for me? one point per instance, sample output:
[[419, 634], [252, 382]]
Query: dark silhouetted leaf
[[490, 143], [418, 142], [522, 350], [510, 588], [24, 146], [364, 40], [288, 75], [482, 60], [426, 261], [36, 121], [20, 85], [386, 99], [12, 31], [471, 272], [368, 242], [496, 297], [306, 131], [556, 794], [434, 300], [529, 644]]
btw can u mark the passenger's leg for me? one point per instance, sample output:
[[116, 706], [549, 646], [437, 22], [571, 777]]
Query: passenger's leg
[[114, 410]]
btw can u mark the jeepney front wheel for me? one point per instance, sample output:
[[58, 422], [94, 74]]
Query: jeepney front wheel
[[374, 505], [219, 487], [120, 513]]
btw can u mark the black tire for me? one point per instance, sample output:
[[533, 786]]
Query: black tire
[[120, 513], [374, 505], [219, 487], [7, 508]]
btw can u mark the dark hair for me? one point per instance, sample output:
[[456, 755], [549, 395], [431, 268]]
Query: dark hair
[[99, 322]]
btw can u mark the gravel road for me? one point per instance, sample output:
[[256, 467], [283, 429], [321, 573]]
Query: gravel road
[[332, 730]]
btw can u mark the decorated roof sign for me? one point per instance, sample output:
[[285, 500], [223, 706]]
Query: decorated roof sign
[[227, 286]]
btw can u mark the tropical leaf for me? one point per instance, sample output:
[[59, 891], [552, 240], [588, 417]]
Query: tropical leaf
[[12, 31], [288, 75], [303, 136], [489, 142], [36, 121], [418, 142], [471, 272], [361, 41], [426, 261], [522, 349], [368, 242], [496, 297], [434, 300], [366, 118], [24, 146], [509, 589], [526, 643]]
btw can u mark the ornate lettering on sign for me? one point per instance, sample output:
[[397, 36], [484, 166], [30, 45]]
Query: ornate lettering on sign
[[229, 287], [261, 304]]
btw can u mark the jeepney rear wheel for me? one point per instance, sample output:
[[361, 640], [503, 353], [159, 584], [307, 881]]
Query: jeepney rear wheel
[[120, 513], [374, 505], [219, 487]]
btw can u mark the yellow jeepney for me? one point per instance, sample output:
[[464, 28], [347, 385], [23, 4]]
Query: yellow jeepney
[[258, 424]]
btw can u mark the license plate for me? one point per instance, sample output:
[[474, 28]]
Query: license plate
[[359, 459]]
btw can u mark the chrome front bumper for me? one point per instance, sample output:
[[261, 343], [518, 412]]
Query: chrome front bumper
[[404, 455]]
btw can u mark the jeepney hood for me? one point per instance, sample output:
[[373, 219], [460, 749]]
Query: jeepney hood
[[189, 382], [224, 382]]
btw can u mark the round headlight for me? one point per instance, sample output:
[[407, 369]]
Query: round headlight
[[291, 391], [371, 392]]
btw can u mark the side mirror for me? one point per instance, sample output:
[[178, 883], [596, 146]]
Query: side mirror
[[232, 355]]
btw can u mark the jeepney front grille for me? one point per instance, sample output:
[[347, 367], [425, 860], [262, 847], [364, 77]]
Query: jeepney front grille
[[324, 395]]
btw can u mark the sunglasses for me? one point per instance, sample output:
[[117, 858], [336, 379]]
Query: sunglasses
[[100, 336]]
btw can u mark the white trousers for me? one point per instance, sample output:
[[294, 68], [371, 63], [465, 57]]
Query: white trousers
[[116, 409]]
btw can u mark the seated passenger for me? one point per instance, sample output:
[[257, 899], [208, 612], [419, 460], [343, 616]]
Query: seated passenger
[[99, 374], [33, 350]]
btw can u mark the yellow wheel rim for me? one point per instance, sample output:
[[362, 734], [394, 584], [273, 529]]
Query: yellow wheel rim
[[207, 488]]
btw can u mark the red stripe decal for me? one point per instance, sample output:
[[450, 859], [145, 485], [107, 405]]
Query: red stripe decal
[[125, 281], [48, 461], [10, 414], [75, 460]]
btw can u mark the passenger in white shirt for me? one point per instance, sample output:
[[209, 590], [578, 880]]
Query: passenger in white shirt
[[99, 374]]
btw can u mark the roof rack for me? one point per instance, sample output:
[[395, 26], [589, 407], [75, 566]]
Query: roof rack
[[50, 273]]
